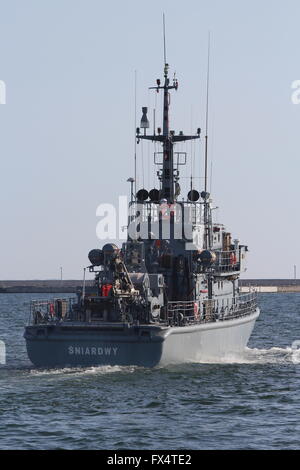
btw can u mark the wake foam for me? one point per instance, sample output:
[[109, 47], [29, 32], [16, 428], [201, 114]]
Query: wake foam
[[273, 355], [78, 371]]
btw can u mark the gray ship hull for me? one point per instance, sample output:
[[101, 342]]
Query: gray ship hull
[[74, 345]]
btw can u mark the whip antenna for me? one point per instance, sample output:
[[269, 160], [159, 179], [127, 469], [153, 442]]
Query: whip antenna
[[207, 238], [135, 124], [207, 110], [164, 34]]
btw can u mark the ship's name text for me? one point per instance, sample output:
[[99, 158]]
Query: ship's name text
[[87, 351]]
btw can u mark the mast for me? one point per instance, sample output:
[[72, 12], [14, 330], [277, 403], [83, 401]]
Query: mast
[[167, 137], [168, 172]]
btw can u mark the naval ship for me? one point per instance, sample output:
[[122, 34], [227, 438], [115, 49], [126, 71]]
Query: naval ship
[[170, 294]]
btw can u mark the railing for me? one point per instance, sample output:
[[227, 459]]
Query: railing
[[51, 311], [179, 313], [185, 313], [190, 212], [227, 261]]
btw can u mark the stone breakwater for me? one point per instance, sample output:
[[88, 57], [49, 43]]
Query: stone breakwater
[[72, 286], [270, 285], [41, 286]]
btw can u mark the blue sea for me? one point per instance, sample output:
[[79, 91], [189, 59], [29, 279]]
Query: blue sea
[[247, 402]]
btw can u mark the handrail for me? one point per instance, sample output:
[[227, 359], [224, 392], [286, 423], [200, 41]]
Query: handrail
[[178, 313], [243, 305], [49, 311], [189, 212], [227, 258]]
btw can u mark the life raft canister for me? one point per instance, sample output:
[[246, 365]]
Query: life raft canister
[[196, 310]]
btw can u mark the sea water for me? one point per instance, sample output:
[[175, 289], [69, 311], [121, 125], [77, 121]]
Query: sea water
[[249, 401]]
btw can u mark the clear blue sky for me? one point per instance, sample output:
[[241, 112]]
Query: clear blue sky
[[66, 131]]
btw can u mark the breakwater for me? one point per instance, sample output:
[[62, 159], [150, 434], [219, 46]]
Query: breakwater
[[41, 286], [72, 286], [270, 285]]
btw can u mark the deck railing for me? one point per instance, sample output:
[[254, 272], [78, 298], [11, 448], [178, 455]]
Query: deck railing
[[182, 313], [226, 261], [179, 313], [51, 311], [189, 212]]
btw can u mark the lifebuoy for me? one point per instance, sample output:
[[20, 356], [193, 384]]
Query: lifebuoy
[[232, 258], [167, 210]]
